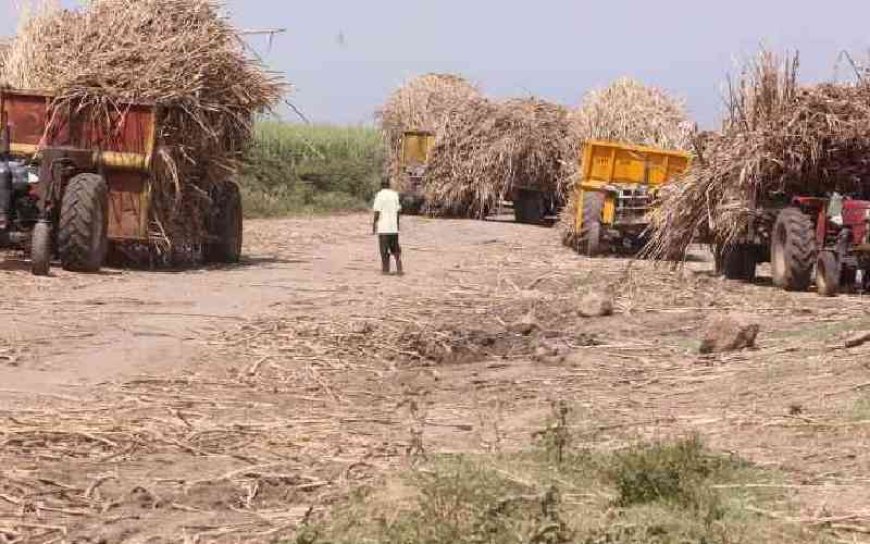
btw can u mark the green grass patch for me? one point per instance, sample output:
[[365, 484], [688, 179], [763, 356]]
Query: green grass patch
[[861, 408], [822, 332], [675, 492], [294, 169]]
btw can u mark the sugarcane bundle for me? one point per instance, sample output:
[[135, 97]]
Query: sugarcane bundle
[[630, 112], [182, 55], [488, 149], [778, 139], [5, 46], [421, 104]]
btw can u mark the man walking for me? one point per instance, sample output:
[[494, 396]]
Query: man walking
[[386, 226]]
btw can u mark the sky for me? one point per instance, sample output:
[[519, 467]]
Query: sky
[[343, 57]]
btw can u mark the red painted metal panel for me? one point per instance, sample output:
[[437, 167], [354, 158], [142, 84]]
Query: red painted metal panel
[[127, 206], [36, 121], [27, 117]]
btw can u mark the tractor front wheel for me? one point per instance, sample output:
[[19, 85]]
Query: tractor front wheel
[[40, 249], [792, 250], [82, 236], [828, 274], [590, 228]]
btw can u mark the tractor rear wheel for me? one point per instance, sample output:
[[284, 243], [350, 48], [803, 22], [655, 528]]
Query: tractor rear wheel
[[529, 207], [225, 225], [828, 274], [738, 263], [792, 250], [82, 236], [40, 249], [590, 228]]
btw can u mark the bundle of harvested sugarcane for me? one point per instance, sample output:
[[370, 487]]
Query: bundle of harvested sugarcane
[[627, 112], [183, 56], [779, 139], [5, 46], [422, 104], [488, 149]]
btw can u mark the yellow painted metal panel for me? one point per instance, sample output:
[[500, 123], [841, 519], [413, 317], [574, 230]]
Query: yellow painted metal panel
[[608, 215], [123, 161], [610, 164], [620, 163], [416, 147], [23, 149]]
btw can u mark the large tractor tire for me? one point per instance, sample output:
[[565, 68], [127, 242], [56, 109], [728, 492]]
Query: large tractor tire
[[828, 274], [40, 249], [738, 263], [82, 236], [792, 250], [225, 226], [529, 207], [590, 229]]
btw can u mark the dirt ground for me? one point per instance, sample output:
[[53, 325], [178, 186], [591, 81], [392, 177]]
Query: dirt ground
[[230, 404]]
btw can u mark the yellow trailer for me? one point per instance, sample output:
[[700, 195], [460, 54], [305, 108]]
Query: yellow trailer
[[616, 190], [416, 147]]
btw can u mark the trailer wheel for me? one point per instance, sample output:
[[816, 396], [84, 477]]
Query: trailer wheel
[[590, 229], [40, 249], [83, 228], [848, 278], [828, 274], [225, 226], [738, 263], [529, 207], [411, 204], [793, 250]]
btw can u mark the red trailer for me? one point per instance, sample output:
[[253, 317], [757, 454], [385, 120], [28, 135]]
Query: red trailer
[[74, 179]]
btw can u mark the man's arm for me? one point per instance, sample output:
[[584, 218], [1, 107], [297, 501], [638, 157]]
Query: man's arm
[[375, 222]]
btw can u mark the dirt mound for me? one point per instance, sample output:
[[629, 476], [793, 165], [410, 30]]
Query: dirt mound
[[596, 305], [458, 346], [729, 333]]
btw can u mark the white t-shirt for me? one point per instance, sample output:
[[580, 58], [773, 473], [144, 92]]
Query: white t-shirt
[[387, 204]]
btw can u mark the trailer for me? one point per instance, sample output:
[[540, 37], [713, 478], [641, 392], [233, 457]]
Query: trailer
[[616, 192], [74, 181], [416, 148]]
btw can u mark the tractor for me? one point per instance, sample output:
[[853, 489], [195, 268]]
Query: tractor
[[73, 182], [827, 235]]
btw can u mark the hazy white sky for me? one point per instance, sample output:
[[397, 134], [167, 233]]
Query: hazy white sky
[[344, 56]]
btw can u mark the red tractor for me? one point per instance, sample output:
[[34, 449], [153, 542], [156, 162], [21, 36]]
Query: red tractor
[[828, 235]]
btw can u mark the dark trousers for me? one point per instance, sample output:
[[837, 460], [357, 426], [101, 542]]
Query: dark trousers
[[389, 245]]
